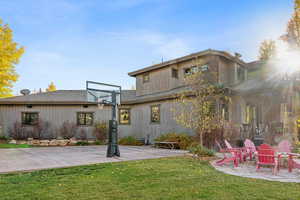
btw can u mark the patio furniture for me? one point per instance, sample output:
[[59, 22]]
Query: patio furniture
[[292, 164], [250, 148], [239, 151], [168, 145], [266, 156], [227, 159], [284, 146]]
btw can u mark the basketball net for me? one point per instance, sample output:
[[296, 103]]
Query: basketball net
[[100, 104]]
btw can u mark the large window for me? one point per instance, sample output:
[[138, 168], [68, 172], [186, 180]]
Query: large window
[[30, 118], [195, 69], [155, 114], [146, 78], [124, 116], [175, 73], [241, 74], [85, 119]]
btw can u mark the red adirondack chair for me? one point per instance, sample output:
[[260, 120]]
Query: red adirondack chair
[[292, 163], [284, 146], [250, 148], [266, 156], [227, 159], [239, 151]]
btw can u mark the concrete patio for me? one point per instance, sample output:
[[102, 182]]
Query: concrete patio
[[248, 170], [28, 159]]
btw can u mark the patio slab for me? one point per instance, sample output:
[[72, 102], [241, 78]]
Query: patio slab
[[29, 159], [248, 170]]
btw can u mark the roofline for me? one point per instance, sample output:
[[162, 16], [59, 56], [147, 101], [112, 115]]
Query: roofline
[[188, 57], [46, 103]]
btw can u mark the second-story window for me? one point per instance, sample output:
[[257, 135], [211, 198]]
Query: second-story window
[[175, 73], [146, 78], [241, 74], [195, 69]]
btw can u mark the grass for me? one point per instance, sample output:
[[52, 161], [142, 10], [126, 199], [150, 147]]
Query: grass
[[2, 146], [169, 178]]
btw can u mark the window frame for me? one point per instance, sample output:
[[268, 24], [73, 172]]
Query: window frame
[[159, 114], [129, 114], [174, 73], [196, 68], [85, 124], [30, 113], [146, 80]]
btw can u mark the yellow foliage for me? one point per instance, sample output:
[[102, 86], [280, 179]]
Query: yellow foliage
[[10, 54], [267, 50], [51, 87]]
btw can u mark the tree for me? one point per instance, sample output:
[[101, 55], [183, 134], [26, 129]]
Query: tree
[[10, 54], [267, 50], [196, 107], [292, 36], [51, 87]]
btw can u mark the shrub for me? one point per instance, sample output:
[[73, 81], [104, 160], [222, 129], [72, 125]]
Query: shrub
[[82, 143], [100, 131], [201, 151], [98, 142], [130, 141], [82, 134], [19, 132], [3, 137], [183, 140], [68, 130], [42, 130]]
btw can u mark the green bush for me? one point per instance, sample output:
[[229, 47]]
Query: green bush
[[130, 141], [82, 143], [183, 140], [3, 137], [201, 151], [98, 142]]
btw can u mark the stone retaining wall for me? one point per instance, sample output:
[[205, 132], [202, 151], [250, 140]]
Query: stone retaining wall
[[53, 142]]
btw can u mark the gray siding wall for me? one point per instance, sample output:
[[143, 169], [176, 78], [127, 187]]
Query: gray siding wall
[[141, 126], [55, 114]]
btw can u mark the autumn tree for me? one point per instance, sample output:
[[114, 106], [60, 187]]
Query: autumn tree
[[196, 107], [51, 87], [267, 50], [292, 36], [10, 54]]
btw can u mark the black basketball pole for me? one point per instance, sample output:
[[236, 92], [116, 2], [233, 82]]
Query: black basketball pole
[[113, 148]]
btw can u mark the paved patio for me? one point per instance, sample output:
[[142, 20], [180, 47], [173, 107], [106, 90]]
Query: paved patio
[[28, 159], [248, 170]]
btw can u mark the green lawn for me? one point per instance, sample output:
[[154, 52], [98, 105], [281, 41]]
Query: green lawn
[[14, 146], [169, 178]]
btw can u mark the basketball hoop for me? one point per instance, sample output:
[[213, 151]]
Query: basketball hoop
[[100, 104]]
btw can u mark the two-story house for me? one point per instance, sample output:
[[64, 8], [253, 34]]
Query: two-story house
[[147, 111]]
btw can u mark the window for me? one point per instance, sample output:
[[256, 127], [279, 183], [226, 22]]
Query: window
[[124, 116], [195, 69], [241, 74], [146, 78], [225, 112], [174, 73], [30, 118], [85, 119], [155, 114]]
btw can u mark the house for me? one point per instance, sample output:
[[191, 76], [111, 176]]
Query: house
[[147, 111]]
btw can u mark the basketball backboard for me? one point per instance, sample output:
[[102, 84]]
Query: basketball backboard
[[103, 93]]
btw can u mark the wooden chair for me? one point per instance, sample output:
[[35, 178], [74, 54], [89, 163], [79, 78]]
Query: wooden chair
[[239, 151], [266, 156], [233, 158], [284, 146], [292, 164], [250, 148]]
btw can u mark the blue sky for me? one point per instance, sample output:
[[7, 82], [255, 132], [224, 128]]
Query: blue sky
[[70, 41]]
